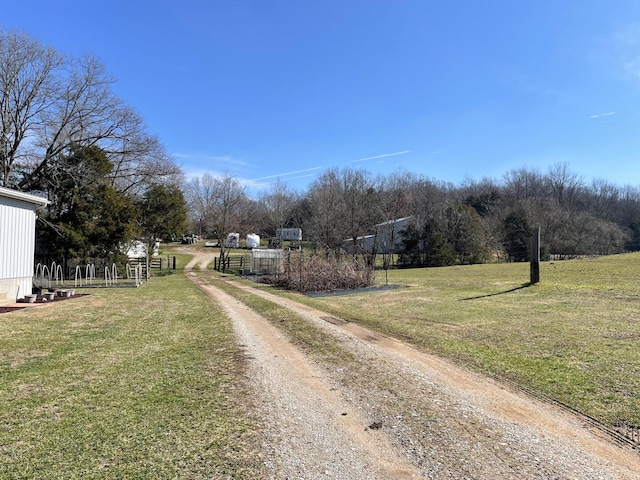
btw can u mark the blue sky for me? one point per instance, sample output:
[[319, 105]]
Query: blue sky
[[454, 90]]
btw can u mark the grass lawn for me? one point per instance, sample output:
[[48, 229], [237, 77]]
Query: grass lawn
[[125, 383], [147, 383], [573, 337]]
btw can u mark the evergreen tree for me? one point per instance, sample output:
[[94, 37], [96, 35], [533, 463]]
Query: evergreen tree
[[88, 217], [438, 251], [517, 237], [163, 213], [467, 234], [410, 247]]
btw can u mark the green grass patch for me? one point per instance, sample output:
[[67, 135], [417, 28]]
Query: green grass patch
[[125, 383]]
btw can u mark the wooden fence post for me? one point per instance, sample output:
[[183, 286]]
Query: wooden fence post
[[300, 284], [535, 257]]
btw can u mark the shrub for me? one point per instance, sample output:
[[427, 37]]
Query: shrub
[[322, 273]]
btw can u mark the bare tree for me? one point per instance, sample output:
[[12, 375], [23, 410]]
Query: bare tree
[[565, 185], [521, 184], [396, 195], [603, 198], [344, 206], [50, 103], [361, 201], [139, 159], [327, 213], [200, 195], [629, 206], [228, 196], [394, 204], [249, 216], [28, 90], [278, 204], [216, 205], [429, 198]]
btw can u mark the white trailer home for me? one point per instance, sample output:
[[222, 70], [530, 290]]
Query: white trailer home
[[289, 234], [17, 243]]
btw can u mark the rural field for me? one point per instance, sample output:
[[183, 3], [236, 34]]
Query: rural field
[[153, 383]]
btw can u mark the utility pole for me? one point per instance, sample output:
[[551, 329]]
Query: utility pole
[[535, 257]]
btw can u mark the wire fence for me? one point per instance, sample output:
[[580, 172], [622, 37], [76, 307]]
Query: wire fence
[[301, 270]]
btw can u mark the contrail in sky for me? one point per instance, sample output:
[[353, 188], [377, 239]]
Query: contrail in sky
[[293, 178], [382, 156], [288, 173], [603, 115]]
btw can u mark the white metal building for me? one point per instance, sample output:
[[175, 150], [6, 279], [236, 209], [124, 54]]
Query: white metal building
[[385, 237], [17, 243]]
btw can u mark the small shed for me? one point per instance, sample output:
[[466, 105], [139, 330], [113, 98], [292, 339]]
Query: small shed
[[266, 261], [17, 243]]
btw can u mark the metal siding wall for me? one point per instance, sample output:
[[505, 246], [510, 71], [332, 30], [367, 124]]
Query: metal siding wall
[[17, 238]]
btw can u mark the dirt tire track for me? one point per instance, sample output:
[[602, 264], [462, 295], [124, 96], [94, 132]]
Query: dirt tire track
[[201, 260], [467, 425], [312, 433]]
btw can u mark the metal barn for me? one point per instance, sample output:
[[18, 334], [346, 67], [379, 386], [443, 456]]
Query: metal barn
[[385, 237], [17, 243]]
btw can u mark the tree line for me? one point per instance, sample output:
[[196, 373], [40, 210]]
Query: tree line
[[473, 222]]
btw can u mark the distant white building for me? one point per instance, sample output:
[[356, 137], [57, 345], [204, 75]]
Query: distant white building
[[232, 240], [289, 234], [139, 249], [385, 237], [17, 243]]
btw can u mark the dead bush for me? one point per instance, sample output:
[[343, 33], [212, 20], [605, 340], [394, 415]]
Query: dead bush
[[325, 272]]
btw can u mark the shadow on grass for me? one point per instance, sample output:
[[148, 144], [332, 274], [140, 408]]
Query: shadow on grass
[[524, 285]]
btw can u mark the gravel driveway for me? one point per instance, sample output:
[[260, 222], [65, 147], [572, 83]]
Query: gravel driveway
[[396, 412]]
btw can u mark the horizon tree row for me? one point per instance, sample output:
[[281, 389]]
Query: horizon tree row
[[474, 222]]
